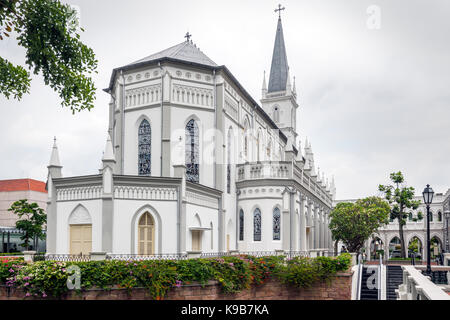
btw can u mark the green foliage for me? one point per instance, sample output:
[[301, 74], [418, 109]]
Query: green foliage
[[48, 30], [303, 272], [401, 201], [234, 273], [31, 222], [354, 223]]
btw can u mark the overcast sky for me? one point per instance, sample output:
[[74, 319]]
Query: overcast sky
[[372, 101]]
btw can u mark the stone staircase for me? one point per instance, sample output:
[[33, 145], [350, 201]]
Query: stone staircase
[[366, 293], [394, 278]]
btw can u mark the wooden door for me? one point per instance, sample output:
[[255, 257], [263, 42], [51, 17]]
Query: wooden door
[[81, 239], [196, 240], [146, 235]]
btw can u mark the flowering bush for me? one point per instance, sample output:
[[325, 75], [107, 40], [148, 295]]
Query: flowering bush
[[234, 273], [9, 267]]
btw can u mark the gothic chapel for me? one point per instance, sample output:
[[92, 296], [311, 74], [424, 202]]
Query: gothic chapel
[[193, 163]]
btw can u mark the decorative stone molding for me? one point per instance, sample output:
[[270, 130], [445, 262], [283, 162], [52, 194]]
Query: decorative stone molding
[[145, 193], [231, 108], [202, 200], [192, 95], [79, 193], [143, 95]]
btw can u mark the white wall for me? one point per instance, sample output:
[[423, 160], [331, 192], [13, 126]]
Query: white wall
[[64, 209], [124, 210]]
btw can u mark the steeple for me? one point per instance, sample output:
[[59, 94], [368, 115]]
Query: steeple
[[108, 154], [279, 69], [54, 166], [264, 86], [54, 158]]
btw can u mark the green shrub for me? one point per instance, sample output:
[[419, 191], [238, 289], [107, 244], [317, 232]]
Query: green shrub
[[234, 273], [303, 272]]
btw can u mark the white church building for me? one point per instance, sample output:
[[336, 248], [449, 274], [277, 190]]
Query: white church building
[[193, 163]]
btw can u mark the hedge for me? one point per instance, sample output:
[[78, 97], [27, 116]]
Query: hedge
[[234, 273]]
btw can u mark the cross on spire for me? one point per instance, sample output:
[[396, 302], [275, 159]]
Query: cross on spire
[[188, 36], [279, 10]]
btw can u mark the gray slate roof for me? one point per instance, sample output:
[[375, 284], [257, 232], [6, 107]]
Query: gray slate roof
[[186, 51], [279, 68]]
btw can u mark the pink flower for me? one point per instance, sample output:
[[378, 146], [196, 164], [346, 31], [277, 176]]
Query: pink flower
[[27, 295]]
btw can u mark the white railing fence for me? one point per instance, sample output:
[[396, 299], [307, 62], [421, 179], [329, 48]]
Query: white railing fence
[[417, 286]]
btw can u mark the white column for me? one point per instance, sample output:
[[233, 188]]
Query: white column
[[310, 222], [316, 227], [323, 230], [303, 213]]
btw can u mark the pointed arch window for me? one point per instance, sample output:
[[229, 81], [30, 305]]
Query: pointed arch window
[[146, 234], [192, 151], [241, 225], [276, 114], [276, 224], [257, 225], [439, 216], [229, 161], [431, 216], [144, 148]]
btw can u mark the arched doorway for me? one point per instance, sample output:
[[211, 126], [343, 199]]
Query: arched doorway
[[415, 247], [146, 234]]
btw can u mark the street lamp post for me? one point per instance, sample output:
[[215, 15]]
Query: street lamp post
[[428, 199]]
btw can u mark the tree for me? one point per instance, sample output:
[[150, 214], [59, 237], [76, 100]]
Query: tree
[[354, 223], [400, 198], [48, 30], [31, 221]]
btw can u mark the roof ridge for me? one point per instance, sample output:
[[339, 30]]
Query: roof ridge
[[181, 47]]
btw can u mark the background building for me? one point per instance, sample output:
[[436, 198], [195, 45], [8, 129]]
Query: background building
[[387, 238], [11, 191]]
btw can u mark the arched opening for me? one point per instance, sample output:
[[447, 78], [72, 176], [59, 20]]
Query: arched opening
[[80, 231], [376, 248], [276, 114], [395, 248], [144, 148], [415, 248], [435, 247], [146, 234]]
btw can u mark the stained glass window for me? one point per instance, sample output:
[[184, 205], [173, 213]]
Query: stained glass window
[[257, 225], [241, 225], [145, 148], [276, 224], [192, 152]]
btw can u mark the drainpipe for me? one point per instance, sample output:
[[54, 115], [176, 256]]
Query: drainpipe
[[162, 116], [122, 134], [179, 220], [215, 127]]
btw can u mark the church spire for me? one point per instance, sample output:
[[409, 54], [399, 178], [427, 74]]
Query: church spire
[[264, 86], [279, 68], [54, 158]]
